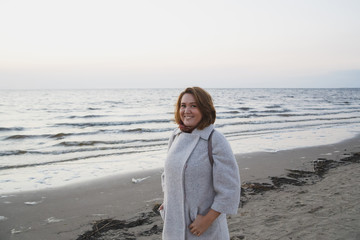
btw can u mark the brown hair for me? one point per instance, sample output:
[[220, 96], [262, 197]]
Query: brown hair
[[205, 104]]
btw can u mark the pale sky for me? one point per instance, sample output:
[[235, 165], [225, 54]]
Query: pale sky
[[166, 43]]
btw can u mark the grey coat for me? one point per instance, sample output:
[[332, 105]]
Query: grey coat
[[192, 186]]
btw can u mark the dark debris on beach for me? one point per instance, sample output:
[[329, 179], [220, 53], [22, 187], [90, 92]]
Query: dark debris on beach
[[111, 229], [121, 229], [296, 177]]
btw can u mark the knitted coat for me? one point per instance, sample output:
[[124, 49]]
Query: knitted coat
[[192, 185]]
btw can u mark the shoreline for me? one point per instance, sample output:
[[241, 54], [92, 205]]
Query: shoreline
[[276, 163], [247, 164], [68, 212]]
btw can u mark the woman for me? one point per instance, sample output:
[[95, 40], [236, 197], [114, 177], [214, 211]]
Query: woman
[[197, 193]]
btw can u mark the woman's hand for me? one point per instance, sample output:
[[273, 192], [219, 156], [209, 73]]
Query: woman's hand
[[202, 223], [161, 207]]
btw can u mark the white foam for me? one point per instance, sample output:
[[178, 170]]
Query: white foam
[[53, 220], [35, 202], [32, 203], [22, 229], [138, 180], [2, 218]]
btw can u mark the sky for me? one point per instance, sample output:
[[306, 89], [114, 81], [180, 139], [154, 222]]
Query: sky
[[64, 44]]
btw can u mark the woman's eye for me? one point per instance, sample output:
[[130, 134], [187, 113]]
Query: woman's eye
[[184, 106]]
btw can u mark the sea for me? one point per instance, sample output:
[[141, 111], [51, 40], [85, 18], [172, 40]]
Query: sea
[[52, 138]]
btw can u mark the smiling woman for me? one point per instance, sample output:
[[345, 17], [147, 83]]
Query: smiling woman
[[198, 193]]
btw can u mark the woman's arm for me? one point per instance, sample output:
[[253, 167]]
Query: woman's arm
[[226, 177]]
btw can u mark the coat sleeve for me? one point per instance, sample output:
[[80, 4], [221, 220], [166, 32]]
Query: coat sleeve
[[170, 141], [226, 176]]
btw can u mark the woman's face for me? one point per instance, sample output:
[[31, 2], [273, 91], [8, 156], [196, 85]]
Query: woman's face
[[190, 113]]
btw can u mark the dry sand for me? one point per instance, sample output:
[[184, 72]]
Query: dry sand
[[327, 209]]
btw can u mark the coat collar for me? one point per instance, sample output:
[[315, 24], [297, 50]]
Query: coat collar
[[204, 134]]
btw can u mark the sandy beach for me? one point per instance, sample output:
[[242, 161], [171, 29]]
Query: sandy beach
[[324, 207], [328, 209]]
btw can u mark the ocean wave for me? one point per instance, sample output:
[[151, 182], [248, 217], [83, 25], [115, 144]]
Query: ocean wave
[[343, 103], [4, 129], [253, 115], [272, 111], [99, 124], [7, 167], [60, 135], [229, 112], [82, 143], [258, 114], [16, 152], [91, 148], [87, 116], [93, 143], [19, 137], [235, 111], [331, 109], [273, 106], [288, 121], [56, 136], [114, 102], [272, 130], [319, 113], [245, 108]]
